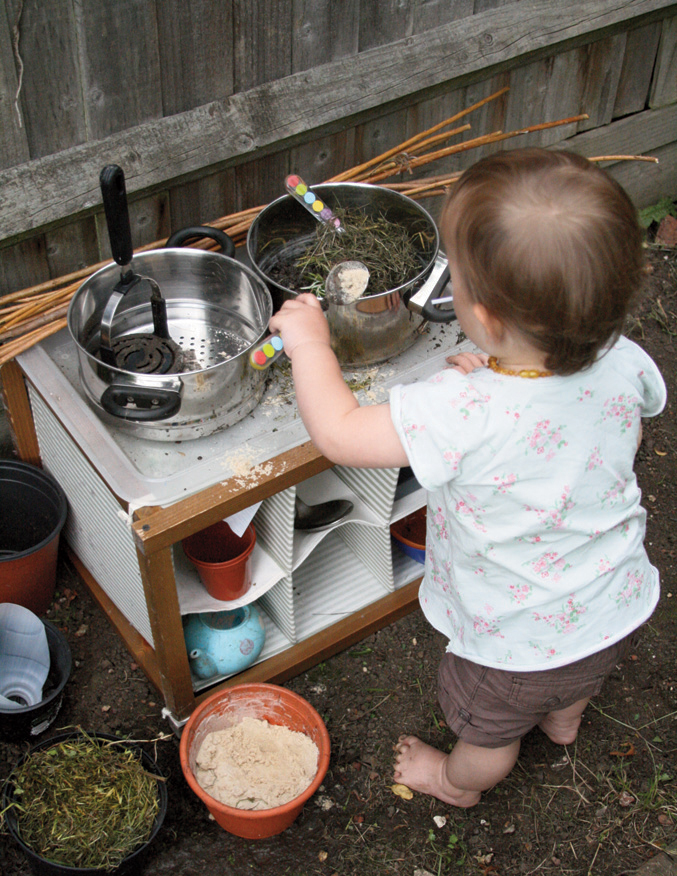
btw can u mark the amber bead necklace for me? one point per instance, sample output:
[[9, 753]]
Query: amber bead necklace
[[528, 373]]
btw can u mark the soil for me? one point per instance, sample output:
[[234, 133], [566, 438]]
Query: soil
[[605, 805]]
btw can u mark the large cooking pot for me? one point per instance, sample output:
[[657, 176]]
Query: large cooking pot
[[375, 327], [163, 344]]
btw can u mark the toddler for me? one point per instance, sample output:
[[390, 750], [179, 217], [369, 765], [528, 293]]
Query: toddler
[[535, 569]]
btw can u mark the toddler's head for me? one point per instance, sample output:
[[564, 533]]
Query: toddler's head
[[550, 245]]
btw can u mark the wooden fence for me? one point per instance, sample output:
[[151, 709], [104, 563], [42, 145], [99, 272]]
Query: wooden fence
[[208, 104]]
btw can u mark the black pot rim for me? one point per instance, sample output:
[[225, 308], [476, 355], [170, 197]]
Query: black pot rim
[[11, 820], [21, 471], [30, 711]]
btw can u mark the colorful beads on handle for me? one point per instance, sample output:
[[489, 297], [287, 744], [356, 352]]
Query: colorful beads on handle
[[267, 352], [304, 195]]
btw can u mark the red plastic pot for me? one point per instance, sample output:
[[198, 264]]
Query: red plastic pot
[[222, 559], [33, 510]]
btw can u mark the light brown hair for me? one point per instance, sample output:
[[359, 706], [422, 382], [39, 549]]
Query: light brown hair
[[550, 244]]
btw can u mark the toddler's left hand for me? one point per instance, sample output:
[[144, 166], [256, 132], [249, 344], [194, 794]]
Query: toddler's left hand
[[467, 362]]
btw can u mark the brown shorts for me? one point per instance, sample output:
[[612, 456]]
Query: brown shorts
[[494, 707]]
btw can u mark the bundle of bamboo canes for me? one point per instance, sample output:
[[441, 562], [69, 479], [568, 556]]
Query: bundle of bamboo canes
[[31, 315]]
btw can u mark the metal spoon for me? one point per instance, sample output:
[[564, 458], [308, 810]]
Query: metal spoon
[[346, 282], [312, 518]]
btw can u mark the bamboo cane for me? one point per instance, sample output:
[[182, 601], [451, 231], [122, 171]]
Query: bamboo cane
[[30, 315], [37, 322], [350, 174], [13, 348]]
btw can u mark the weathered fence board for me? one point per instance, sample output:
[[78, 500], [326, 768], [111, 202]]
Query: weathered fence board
[[642, 43], [13, 140], [664, 87], [603, 65], [195, 45], [207, 105], [259, 55], [52, 109], [121, 76], [50, 189]]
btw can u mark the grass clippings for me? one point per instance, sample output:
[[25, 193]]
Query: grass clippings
[[391, 251], [85, 802]]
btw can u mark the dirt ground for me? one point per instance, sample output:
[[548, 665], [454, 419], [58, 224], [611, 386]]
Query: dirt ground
[[603, 806]]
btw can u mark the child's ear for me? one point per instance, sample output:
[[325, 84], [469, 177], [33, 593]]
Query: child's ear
[[491, 324]]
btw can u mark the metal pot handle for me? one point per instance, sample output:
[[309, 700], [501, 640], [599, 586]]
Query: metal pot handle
[[422, 300], [141, 404], [197, 232]]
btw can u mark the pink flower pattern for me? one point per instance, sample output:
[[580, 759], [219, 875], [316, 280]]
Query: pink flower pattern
[[631, 589], [553, 518], [519, 593], [604, 566], [504, 483], [594, 460], [565, 620], [469, 509], [439, 524], [484, 625], [412, 430], [614, 494], [483, 572], [545, 440], [453, 457], [624, 409], [549, 566], [546, 653]]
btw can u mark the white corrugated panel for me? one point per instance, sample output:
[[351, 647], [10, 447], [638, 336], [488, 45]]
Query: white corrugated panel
[[274, 524], [330, 585], [376, 486], [372, 545], [94, 529], [279, 604]]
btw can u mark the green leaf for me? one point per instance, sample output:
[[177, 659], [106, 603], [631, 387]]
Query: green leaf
[[665, 207]]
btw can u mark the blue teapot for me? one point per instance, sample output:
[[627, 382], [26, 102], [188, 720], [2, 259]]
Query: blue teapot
[[224, 642]]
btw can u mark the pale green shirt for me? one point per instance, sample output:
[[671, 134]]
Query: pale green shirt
[[535, 536]]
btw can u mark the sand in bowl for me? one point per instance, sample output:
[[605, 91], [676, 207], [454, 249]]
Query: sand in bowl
[[255, 764]]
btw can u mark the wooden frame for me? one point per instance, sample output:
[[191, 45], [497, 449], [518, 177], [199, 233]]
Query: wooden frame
[[156, 529]]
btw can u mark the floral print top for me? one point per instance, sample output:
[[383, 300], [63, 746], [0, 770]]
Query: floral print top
[[535, 535]]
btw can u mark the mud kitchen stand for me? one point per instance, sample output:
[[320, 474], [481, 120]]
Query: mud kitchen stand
[[132, 501]]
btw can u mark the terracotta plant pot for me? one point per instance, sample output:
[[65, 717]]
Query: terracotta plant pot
[[222, 559], [33, 510], [268, 702]]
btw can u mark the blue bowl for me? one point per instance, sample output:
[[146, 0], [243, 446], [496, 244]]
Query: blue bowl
[[409, 535]]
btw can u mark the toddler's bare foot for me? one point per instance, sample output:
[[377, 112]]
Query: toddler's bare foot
[[422, 768]]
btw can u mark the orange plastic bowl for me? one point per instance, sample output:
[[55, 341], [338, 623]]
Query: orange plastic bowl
[[267, 702]]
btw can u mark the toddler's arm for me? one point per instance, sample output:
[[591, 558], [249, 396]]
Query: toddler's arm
[[342, 430]]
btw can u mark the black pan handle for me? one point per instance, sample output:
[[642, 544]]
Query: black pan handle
[[141, 404], [114, 193], [197, 232], [421, 301]]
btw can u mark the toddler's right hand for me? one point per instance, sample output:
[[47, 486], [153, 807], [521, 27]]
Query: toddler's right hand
[[299, 321], [467, 362]]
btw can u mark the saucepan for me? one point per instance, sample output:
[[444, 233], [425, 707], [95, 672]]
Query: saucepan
[[378, 326], [163, 337]]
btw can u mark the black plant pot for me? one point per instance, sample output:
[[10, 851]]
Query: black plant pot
[[19, 724], [132, 865]]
